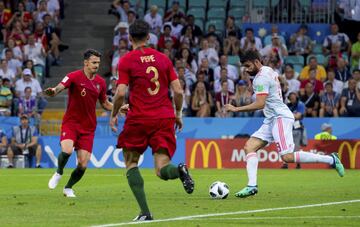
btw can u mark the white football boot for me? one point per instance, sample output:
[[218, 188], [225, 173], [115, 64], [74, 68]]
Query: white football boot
[[68, 192], [54, 180]]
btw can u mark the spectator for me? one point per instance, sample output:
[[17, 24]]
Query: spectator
[[24, 141], [54, 42], [152, 41], [13, 63], [350, 100], [231, 44], [53, 7], [329, 102], [17, 33], [209, 53], [5, 100], [232, 72], [17, 52], [121, 32], [24, 16], [176, 26], [5, 72], [186, 98], [298, 109], [274, 30], [122, 8], [41, 11], [27, 81], [313, 64], [355, 76], [153, 18], [208, 72], [35, 52], [242, 97], [317, 84], [250, 42], [201, 101], [188, 38], [222, 98], [336, 37], [166, 36], [223, 77], [355, 54], [334, 56], [214, 41], [231, 27], [300, 43], [174, 11], [111, 92], [187, 75], [29, 6], [28, 105], [131, 17], [117, 55], [188, 61], [337, 84], [326, 133], [196, 30], [4, 143], [275, 47], [290, 77], [342, 72], [311, 101]]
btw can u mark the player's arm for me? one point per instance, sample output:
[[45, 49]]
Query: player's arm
[[118, 101], [257, 105], [53, 91], [106, 105], [178, 96]]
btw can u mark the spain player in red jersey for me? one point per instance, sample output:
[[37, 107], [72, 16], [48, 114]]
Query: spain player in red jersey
[[85, 87], [150, 120]]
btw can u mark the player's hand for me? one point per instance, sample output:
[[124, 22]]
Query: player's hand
[[178, 124], [49, 92], [114, 123], [124, 109], [230, 108]]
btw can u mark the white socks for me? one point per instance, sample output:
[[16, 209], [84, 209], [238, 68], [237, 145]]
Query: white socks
[[251, 167], [308, 157]]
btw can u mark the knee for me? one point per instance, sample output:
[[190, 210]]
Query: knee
[[288, 157], [82, 163], [248, 148]]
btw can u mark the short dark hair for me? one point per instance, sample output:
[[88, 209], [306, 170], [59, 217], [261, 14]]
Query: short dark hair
[[139, 30], [250, 55], [91, 52], [249, 29]]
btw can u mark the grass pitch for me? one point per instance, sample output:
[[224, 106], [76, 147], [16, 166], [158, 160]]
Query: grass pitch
[[103, 197]]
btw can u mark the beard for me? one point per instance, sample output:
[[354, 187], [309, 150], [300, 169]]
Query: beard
[[253, 72]]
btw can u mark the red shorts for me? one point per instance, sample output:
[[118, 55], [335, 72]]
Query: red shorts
[[157, 133], [83, 140]]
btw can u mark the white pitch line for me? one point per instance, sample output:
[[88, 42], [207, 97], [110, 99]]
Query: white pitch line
[[230, 213], [272, 218]]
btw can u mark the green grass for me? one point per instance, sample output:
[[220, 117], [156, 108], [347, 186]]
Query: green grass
[[104, 197]]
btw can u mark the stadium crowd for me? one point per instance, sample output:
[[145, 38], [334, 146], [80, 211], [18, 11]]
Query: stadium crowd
[[30, 44], [325, 78]]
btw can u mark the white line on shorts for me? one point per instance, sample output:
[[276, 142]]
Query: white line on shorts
[[230, 213]]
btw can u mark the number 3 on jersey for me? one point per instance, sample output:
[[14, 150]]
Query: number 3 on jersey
[[154, 80]]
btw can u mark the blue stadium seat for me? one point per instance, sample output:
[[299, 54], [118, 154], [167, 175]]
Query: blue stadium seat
[[233, 60], [295, 59], [159, 3], [317, 49], [200, 23], [260, 3], [237, 3], [182, 4], [298, 68], [217, 3], [216, 13], [198, 12], [237, 13], [197, 3], [219, 24]]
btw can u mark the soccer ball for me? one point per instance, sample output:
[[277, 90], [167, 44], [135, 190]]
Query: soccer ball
[[219, 190]]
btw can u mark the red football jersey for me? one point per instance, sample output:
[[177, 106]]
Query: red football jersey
[[83, 94], [148, 73]]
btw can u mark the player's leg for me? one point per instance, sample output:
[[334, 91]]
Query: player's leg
[[282, 129], [136, 183], [67, 146], [251, 147], [163, 143], [83, 157]]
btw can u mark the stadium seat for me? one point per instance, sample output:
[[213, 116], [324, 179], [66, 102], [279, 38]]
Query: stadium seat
[[298, 68], [182, 4], [200, 23], [198, 12], [216, 13], [197, 3], [260, 3], [237, 13], [217, 3], [219, 24], [295, 59], [233, 60], [39, 74], [158, 3], [320, 59], [237, 3], [317, 49]]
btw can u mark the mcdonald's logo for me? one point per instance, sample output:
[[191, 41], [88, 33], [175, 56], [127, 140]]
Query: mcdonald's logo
[[205, 150], [351, 150]]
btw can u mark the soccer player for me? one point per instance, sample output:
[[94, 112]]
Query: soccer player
[[277, 126], [79, 123], [150, 120]]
